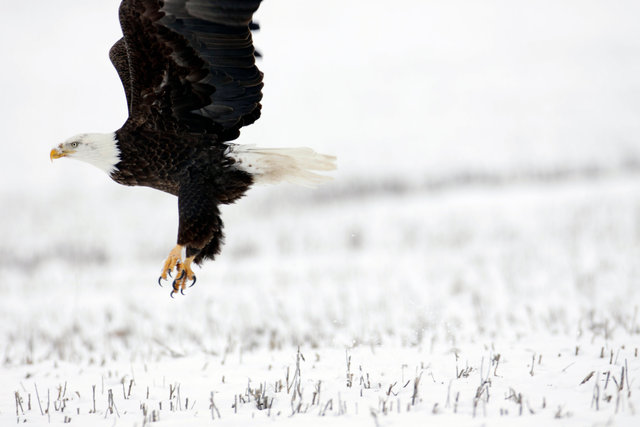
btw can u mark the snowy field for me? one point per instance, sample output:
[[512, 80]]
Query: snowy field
[[476, 260]]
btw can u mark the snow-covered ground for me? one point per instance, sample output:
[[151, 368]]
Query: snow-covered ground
[[445, 296], [475, 262]]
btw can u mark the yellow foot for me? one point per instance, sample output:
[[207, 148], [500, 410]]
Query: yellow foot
[[183, 270], [183, 275], [173, 261]]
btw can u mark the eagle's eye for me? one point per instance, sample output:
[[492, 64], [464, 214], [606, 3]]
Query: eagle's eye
[[74, 144]]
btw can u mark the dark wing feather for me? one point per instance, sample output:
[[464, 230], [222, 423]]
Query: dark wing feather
[[191, 64], [120, 61]]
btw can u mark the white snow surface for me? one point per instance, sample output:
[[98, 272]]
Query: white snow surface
[[476, 260]]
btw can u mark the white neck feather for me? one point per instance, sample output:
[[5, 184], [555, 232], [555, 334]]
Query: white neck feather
[[98, 149]]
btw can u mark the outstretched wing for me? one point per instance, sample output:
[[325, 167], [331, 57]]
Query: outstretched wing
[[190, 64]]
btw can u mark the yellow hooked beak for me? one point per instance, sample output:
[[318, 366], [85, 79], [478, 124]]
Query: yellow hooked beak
[[59, 152]]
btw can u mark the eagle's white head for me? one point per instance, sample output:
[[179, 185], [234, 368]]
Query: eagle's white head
[[98, 149]]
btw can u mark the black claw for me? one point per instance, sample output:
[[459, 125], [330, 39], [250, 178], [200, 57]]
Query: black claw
[[171, 294], [175, 289], [182, 291], [182, 275], [194, 281], [159, 281], [169, 272]]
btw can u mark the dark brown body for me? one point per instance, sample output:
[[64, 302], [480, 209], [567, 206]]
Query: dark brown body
[[193, 167]]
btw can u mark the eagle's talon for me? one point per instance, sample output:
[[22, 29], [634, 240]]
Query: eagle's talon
[[182, 268], [173, 261], [175, 287], [194, 281]]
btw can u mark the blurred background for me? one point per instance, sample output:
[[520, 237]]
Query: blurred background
[[488, 172]]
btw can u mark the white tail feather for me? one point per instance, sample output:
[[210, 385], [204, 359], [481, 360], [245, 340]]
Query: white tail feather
[[273, 165]]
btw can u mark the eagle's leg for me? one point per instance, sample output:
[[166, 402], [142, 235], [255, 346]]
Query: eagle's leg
[[199, 225]]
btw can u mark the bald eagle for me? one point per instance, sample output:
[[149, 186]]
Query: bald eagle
[[191, 82]]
